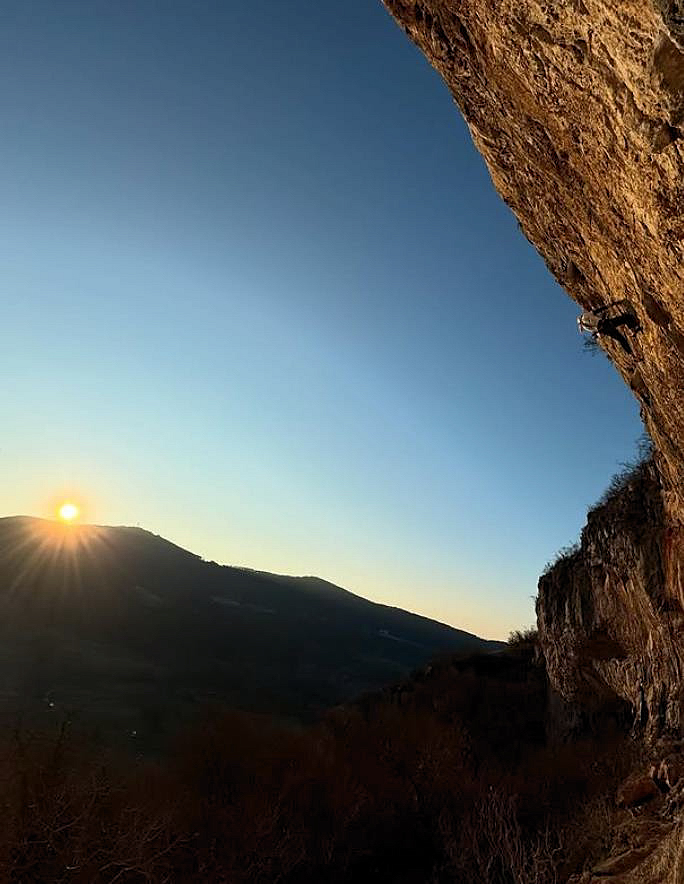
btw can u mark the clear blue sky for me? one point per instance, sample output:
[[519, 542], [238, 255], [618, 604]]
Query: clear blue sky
[[260, 296]]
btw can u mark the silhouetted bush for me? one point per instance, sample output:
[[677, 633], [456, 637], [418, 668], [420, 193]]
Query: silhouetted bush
[[632, 502], [566, 555], [522, 638], [637, 475]]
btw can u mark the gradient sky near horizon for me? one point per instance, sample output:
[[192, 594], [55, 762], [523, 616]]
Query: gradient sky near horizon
[[259, 296]]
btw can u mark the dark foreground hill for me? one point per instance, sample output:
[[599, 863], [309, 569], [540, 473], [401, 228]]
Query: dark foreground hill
[[131, 632]]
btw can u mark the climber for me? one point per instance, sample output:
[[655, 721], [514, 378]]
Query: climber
[[595, 322]]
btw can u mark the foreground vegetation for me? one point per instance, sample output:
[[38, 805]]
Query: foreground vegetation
[[447, 777]]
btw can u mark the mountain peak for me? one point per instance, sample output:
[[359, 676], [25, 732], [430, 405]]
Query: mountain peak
[[122, 614]]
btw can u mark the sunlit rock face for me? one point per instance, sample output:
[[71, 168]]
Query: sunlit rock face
[[610, 613], [578, 109]]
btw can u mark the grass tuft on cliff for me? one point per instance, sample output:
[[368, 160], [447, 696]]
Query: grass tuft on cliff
[[635, 475]]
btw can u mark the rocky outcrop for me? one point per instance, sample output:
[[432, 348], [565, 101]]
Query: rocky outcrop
[[645, 845], [610, 612], [578, 109], [654, 856]]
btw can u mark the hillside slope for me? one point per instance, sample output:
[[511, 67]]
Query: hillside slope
[[132, 631]]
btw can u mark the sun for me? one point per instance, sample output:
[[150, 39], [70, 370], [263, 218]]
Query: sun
[[68, 512]]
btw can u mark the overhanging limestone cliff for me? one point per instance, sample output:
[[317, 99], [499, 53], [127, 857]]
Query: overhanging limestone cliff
[[578, 109]]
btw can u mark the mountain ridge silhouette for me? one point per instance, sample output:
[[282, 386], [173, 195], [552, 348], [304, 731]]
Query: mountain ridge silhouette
[[133, 632]]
